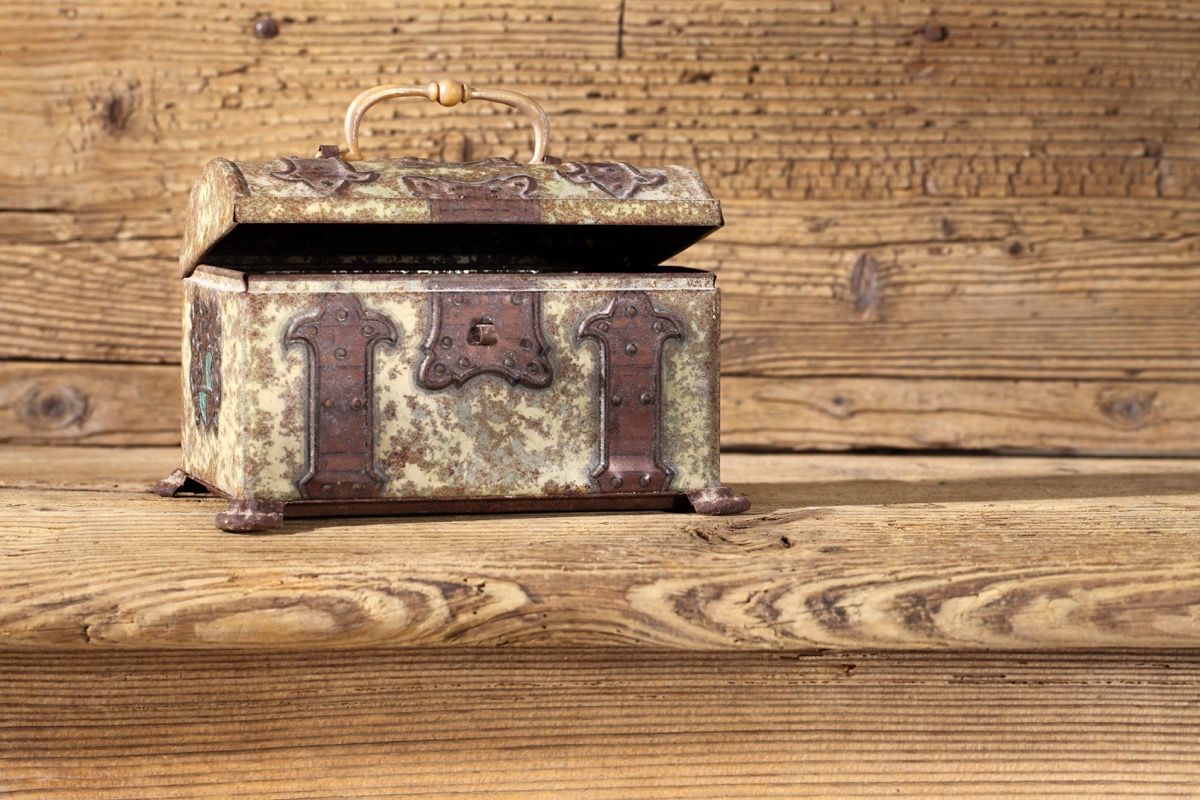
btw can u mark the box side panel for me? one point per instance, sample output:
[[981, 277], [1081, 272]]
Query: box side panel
[[213, 382], [691, 367], [486, 437]]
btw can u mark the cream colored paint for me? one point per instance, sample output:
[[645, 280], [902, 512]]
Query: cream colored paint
[[217, 458], [487, 437]]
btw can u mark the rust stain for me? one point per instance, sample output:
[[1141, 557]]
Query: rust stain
[[341, 335]]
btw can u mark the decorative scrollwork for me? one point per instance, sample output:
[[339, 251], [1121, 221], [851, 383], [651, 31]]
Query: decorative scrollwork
[[204, 367], [614, 178], [326, 175]]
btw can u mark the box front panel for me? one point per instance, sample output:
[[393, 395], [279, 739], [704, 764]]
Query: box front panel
[[478, 386]]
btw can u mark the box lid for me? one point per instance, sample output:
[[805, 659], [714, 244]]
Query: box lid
[[296, 213]]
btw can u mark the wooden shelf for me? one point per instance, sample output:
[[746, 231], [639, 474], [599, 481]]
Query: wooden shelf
[[844, 552], [533, 724], [145, 654]]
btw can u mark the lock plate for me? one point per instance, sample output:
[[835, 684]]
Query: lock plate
[[475, 333]]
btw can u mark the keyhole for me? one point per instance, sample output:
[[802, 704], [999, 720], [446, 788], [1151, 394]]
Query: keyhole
[[482, 332]]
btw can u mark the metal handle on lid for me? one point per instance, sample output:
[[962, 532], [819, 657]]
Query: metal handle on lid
[[446, 92]]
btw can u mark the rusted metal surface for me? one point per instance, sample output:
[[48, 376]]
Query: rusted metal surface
[[631, 333], [250, 516], [488, 436], [341, 337], [325, 175], [507, 199], [216, 454], [474, 333], [178, 482], [204, 366], [512, 187], [614, 178], [717, 501]]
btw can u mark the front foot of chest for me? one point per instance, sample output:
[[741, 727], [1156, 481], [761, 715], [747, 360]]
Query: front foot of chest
[[251, 516], [718, 501], [178, 482]]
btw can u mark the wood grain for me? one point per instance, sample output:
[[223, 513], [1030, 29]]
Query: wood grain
[[99, 404], [950, 193], [965, 289], [608, 725], [120, 404], [1097, 417], [948, 553]]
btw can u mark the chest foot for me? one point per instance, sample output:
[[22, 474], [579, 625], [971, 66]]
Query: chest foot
[[251, 516], [178, 482], [717, 501]]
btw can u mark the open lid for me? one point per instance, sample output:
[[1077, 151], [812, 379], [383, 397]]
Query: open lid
[[338, 210]]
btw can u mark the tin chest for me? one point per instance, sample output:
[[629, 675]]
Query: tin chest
[[408, 336]]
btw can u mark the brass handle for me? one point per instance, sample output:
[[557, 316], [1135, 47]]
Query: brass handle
[[447, 92]]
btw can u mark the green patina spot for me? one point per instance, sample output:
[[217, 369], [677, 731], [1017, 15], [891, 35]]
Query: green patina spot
[[202, 396]]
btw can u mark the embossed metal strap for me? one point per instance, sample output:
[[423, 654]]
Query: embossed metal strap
[[341, 337], [631, 333], [472, 333], [508, 199]]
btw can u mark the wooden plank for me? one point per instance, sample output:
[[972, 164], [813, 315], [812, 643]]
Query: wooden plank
[[88, 403], [1096, 417], [139, 404], [129, 470], [1023, 554], [999, 289], [598, 724], [1053, 290], [796, 100]]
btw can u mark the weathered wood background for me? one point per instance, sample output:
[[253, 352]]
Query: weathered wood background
[[950, 224]]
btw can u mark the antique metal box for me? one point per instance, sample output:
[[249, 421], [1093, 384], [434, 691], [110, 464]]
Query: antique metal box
[[397, 336]]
